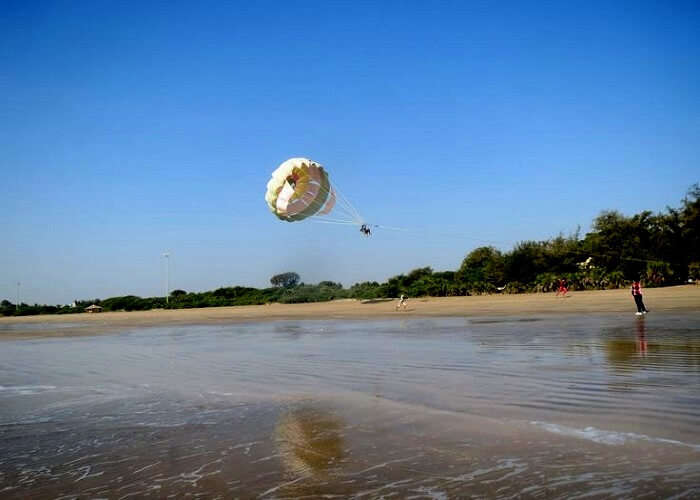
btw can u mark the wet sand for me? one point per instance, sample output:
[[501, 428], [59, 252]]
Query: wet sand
[[669, 299], [347, 448], [530, 406]]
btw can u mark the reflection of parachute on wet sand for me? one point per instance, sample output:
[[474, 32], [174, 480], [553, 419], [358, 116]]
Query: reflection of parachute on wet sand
[[309, 441], [301, 189]]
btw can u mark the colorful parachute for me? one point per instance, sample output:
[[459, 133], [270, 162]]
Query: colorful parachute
[[300, 188]]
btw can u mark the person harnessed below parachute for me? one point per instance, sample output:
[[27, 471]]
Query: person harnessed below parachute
[[364, 229]]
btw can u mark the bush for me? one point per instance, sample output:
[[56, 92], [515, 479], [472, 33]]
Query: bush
[[514, 287]]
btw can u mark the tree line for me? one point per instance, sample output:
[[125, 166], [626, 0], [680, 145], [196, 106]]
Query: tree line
[[661, 249]]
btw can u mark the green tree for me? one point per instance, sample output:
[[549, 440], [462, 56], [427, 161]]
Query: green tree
[[483, 264], [619, 243], [331, 284], [526, 261], [285, 280], [690, 223]]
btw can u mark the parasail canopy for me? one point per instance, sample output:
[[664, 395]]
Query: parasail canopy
[[300, 188]]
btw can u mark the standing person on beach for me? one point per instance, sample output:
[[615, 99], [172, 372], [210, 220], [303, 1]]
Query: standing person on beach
[[637, 294], [402, 302], [563, 290]]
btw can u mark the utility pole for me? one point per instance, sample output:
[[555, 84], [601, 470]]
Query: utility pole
[[167, 276], [17, 305]]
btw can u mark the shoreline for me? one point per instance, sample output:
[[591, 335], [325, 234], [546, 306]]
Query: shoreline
[[681, 298]]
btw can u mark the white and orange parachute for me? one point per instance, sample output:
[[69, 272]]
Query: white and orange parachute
[[300, 188]]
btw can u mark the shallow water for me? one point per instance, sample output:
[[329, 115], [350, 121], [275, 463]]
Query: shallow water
[[553, 407]]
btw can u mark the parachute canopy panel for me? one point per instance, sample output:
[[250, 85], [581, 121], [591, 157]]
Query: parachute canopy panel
[[298, 189]]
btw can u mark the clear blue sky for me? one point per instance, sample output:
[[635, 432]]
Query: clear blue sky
[[132, 128]]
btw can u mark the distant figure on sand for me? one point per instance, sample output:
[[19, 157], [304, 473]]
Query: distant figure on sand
[[563, 290], [637, 294], [402, 302]]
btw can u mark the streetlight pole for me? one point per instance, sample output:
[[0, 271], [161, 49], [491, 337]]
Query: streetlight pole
[[167, 275]]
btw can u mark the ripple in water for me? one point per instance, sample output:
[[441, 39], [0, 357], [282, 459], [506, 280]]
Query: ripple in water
[[430, 408]]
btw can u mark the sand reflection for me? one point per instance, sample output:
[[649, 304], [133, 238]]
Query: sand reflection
[[643, 348], [310, 442]]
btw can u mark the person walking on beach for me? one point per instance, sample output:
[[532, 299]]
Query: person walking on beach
[[563, 290], [637, 294], [402, 303]]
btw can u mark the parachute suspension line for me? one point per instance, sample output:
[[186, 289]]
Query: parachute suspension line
[[343, 205], [321, 220], [613, 255], [340, 209], [352, 207], [357, 217], [482, 241], [391, 228], [343, 210]]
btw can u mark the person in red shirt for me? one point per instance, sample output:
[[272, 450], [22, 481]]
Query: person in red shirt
[[563, 290], [637, 294]]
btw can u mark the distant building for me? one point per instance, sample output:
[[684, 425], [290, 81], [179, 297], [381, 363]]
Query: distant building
[[93, 309]]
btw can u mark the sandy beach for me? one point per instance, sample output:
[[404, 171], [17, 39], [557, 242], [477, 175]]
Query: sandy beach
[[527, 396], [678, 298]]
